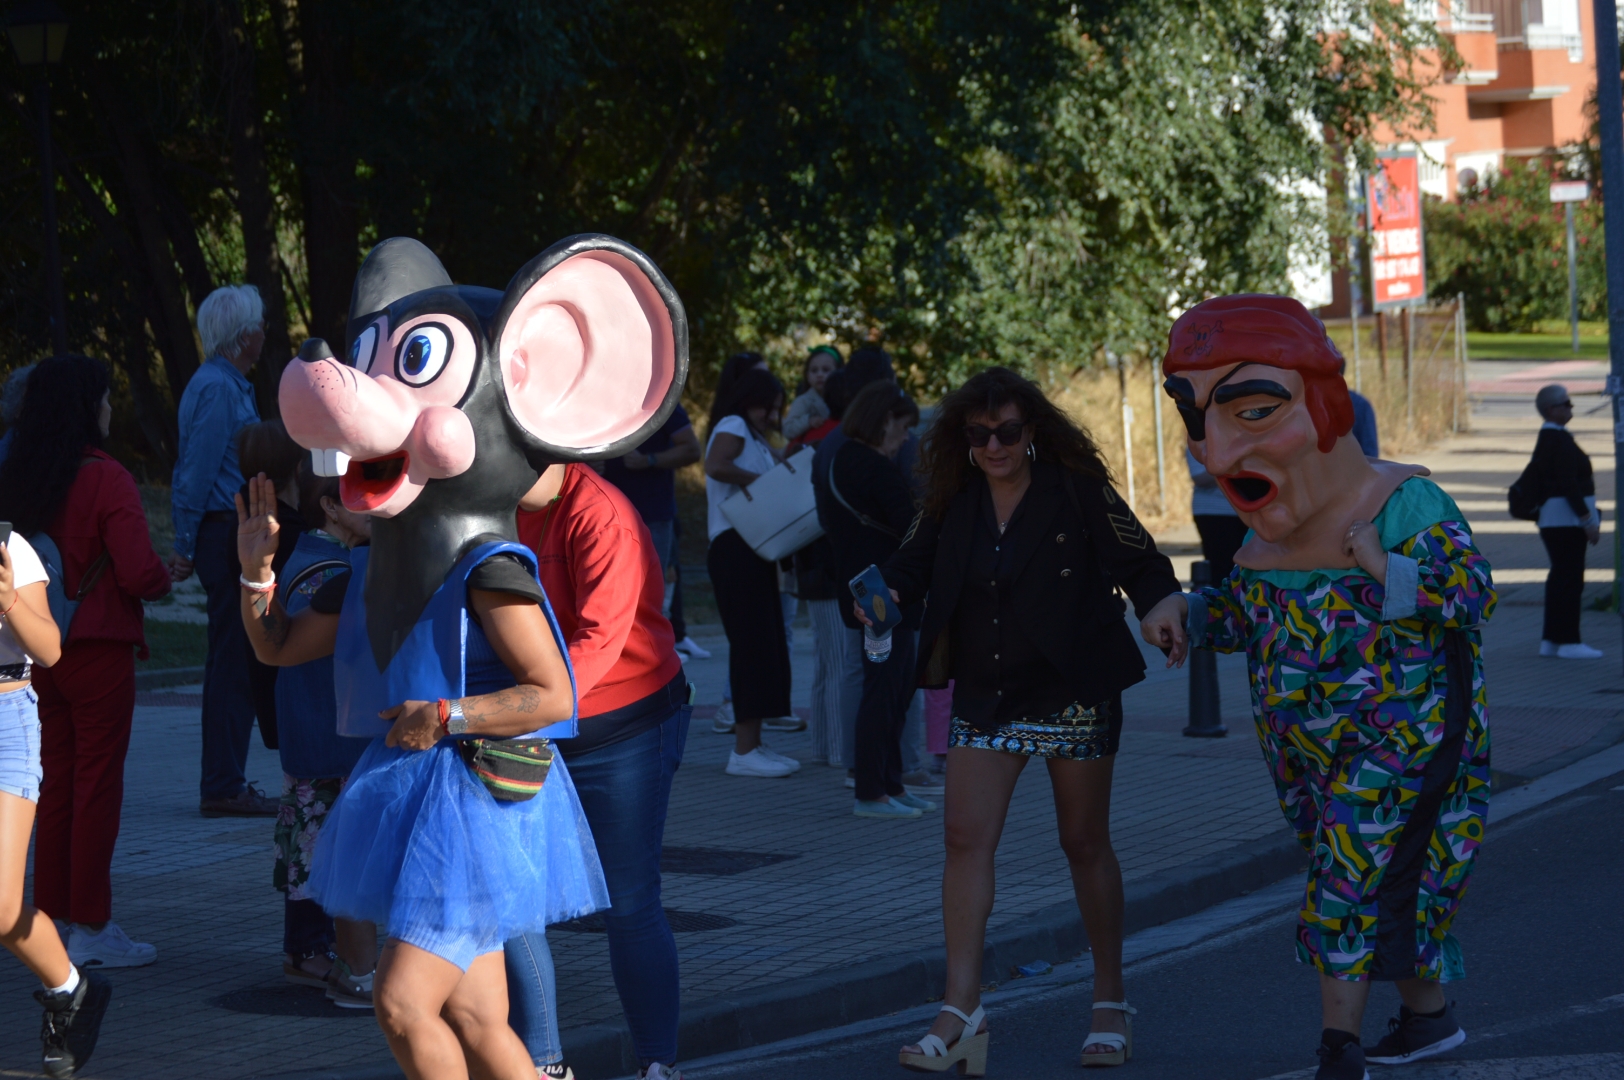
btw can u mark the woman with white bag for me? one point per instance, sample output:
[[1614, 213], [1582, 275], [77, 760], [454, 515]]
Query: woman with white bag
[[746, 585]]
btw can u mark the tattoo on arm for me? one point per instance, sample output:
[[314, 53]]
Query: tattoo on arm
[[273, 621], [523, 700]]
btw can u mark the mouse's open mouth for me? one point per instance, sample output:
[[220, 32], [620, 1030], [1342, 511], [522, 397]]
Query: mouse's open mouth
[[1248, 492], [367, 485]]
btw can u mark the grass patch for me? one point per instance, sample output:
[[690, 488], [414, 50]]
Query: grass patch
[[174, 645], [1553, 342]]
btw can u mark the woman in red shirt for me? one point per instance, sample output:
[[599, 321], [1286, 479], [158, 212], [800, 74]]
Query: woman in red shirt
[[601, 573], [62, 482]]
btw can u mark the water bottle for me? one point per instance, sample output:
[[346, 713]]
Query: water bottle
[[877, 649]]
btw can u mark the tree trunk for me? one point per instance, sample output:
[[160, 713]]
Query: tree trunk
[[326, 158], [255, 204], [166, 302]]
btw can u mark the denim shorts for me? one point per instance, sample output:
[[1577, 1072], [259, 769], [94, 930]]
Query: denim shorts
[[20, 771]]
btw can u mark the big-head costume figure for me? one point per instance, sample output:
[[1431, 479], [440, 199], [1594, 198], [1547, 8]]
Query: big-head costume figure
[[1358, 598], [445, 406]]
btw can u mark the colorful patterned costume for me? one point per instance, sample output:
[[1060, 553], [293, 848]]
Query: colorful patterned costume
[[1371, 708]]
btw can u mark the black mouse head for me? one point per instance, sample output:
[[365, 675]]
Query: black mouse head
[[451, 399]]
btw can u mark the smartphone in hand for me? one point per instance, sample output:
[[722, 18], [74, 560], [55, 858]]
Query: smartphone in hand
[[874, 595], [5, 533]]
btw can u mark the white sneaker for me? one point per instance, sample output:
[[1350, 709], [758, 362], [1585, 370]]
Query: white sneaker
[[1547, 648], [851, 778], [692, 648], [793, 763], [783, 723], [923, 783], [657, 1071], [722, 722], [755, 763], [1578, 651], [109, 949]]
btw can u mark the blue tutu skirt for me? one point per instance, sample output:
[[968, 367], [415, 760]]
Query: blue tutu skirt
[[417, 845]]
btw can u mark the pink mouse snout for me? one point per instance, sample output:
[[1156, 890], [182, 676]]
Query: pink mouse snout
[[395, 440]]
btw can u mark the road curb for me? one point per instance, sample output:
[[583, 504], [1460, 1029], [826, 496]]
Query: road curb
[[887, 985]]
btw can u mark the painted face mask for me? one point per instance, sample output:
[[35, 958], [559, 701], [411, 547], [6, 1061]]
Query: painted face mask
[[449, 400]]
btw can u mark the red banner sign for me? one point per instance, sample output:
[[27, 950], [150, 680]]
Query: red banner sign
[[1398, 271]]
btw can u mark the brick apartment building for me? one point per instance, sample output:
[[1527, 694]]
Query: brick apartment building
[[1529, 68]]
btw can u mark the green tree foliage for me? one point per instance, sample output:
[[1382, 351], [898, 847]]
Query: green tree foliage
[[1504, 244], [972, 180]]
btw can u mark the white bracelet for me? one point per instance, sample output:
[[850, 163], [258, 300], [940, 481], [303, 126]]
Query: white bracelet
[[258, 586]]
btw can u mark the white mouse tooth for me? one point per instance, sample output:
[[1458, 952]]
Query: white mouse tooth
[[329, 462]]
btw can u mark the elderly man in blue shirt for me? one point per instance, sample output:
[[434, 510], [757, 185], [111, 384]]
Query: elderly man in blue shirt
[[217, 404]]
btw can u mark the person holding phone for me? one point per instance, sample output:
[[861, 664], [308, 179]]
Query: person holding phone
[[75, 1001], [1021, 546], [865, 507]]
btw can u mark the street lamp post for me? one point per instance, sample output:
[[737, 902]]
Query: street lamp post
[[1610, 125], [38, 30]]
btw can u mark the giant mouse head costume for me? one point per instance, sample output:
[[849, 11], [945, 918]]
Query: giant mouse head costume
[[451, 399], [1259, 386]]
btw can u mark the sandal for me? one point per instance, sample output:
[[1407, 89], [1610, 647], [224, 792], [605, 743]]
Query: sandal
[[1119, 1048], [968, 1052]]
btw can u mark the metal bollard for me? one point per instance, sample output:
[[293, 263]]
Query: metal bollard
[[1206, 722]]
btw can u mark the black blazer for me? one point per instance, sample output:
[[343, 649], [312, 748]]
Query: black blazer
[[873, 486], [1563, 469], [1075, 556]]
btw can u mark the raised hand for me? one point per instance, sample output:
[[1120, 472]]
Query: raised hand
[[257, 529]]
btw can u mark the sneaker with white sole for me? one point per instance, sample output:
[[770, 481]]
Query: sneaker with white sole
[[657, 1071], [892, 809], [558, 1071], [111, 948], [693, 649], [1413, 1036], [923, 783], [851, 778], [1578, 651], [793, 763], [914, 801], [722, 722], [783, 723], [1547, 648], [755, 763], [348, 990]]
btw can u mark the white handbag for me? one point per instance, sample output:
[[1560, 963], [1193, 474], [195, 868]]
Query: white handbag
[[777, 515]]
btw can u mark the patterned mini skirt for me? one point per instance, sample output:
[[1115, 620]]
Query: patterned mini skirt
[[1074, 733]]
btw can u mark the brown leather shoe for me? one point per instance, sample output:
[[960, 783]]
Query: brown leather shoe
[[249, 802]]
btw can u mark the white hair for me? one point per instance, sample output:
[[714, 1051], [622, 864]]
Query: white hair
[[226, 316]]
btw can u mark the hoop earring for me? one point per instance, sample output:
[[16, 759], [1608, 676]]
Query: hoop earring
[[1032, 451], [973, 464]]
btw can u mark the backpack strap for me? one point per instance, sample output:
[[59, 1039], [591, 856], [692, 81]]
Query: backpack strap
[[93, 574]]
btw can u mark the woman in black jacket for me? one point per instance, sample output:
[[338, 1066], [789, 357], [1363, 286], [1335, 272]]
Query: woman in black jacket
[[1568, 521], [1021, 547], [865, 507]]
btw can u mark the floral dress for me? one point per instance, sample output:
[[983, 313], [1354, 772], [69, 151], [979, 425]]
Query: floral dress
[[1371, 707]]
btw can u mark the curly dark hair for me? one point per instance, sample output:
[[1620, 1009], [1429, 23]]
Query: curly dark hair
[[944, 453], [59, 422]]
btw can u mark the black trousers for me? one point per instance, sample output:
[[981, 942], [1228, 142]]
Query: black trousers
[[887, 690], [746, 588], [228, 700], [1565, 584], [1221, 536]]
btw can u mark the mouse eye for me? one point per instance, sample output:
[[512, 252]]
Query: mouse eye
[[361, 352], [423, 355]]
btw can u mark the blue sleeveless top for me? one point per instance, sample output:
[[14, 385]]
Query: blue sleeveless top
[[446, 655], [306, 712]]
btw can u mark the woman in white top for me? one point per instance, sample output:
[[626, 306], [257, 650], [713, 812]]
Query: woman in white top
[[74, 1002], [745, 584]]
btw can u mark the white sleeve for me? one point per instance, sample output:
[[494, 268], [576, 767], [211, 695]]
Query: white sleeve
[[732, 425], [26, 567]]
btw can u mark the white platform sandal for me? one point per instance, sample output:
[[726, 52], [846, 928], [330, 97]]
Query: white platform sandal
[[968, 1052], [1119, 1048]]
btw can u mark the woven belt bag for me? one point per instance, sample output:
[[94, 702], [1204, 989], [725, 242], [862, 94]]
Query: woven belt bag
[[512, 770]]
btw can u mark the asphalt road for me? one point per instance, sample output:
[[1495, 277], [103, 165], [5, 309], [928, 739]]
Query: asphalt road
[[1220, 996]]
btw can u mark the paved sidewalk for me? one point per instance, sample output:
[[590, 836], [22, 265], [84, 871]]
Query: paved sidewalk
[[770, 881]]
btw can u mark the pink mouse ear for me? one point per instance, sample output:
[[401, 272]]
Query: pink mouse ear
[[593, 347]]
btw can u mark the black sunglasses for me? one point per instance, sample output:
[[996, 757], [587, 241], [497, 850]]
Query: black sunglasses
[[1008, 433]]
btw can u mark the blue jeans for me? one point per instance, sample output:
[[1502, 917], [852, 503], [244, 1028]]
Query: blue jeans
[[624, 788], [228, 701]]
